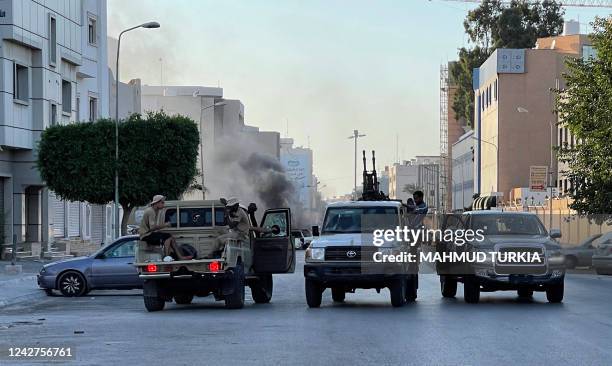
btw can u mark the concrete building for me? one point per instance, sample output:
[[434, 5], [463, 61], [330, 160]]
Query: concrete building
[[421, 173], [383, 180], [219, 120], [52, 70], [463, 171], [298, 163], [514, 118]]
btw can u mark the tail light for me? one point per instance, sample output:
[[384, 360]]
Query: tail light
[[151, 268], [214, 266]]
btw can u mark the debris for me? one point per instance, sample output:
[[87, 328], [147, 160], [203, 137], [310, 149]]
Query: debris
[[79, 332]]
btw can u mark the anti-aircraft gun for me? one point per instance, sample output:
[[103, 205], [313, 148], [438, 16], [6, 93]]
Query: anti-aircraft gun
[[371, 189]]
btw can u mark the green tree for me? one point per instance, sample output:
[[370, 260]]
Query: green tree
[[493, 25], [584, 107], [157, 155]]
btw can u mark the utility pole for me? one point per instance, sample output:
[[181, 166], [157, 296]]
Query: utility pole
[[355, 136]]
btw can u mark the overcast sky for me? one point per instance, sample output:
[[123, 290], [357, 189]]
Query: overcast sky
[[326, 67]]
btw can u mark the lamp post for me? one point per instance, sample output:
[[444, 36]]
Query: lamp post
[[147, 25], [218, 104], [355, 136], [496, 158]]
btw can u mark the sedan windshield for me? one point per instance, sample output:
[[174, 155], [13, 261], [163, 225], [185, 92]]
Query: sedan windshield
[[508, 224], [359, 219]]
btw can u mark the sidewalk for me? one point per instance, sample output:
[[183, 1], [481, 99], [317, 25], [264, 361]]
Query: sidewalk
[[16, 288]]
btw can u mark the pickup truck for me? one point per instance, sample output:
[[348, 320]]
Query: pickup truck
[[221, 274], [342, 257]]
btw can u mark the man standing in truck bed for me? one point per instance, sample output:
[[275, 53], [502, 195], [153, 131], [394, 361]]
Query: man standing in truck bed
[[238, 222]]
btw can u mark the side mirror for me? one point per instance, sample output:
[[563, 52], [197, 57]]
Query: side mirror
[[315, 230], [555, 233]]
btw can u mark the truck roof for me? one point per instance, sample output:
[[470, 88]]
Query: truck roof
[[366, 204], [195, 203]]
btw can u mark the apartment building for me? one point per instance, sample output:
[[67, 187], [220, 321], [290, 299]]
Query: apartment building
[[52, 71], [221, 123], [515, 123], [462, 181], [421, 173]]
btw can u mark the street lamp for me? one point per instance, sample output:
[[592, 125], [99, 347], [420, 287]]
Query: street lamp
[[355, 136], [496, 158], [148, 25], [218, 104]]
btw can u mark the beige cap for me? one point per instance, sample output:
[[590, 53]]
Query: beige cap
[[231, 202], [157, 198]]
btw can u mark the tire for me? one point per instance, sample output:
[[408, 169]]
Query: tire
[[236, 299], [448, 286], [154, 303], [314, 293], [525, 293], [397, 290], [183, 299], [262, 290], [72, 284], [571, 262], [338, 294], [412, 285], [471, 290], [554, 293]]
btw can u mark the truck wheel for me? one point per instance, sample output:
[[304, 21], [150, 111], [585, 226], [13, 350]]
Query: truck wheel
[[554, 293], [338, 294], [236, 299], [154, 303], [183, 299], [471, 290], [314, 293], [397, 289], [412, 288], [525, 293], [448, 286], [262, 290]]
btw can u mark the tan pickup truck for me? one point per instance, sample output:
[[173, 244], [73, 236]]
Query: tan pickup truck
[[223, 274]]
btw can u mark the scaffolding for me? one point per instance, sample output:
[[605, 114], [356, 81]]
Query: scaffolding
[[444, 153]]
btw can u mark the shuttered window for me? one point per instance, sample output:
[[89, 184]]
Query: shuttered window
[[59, 212], [74, 219]]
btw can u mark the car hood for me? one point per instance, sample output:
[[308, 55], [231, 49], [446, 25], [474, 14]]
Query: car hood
[[67, 262], [491, 241]]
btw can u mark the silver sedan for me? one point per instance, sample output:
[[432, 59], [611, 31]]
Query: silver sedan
[[111, 267]]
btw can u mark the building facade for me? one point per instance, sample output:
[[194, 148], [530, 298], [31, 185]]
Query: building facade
[[52, 71], [222, 127], [463, 171], [421, 173], [515, 123]]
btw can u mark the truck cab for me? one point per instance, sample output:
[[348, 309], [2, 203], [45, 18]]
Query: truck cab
[[223, 274], [341, 258]]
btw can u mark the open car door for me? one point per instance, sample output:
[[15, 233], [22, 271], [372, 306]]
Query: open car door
[[274, 252]]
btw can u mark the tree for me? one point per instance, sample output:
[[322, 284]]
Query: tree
[[492, 25], [157, 155], [584, 108]]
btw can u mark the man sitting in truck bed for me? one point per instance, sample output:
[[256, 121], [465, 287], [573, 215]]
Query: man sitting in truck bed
[[150, 231]]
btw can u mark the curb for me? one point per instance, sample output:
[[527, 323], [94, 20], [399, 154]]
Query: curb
[[32, 295]]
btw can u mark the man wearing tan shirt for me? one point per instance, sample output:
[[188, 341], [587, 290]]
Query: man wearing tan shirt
[[150, 233]]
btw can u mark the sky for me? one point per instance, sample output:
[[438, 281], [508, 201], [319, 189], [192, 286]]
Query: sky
[[312, 70]]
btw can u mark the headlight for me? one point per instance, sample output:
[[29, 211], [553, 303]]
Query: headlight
[[43, 270], [315, 254], [555, 257]]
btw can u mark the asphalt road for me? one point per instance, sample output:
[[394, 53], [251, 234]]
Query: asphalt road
[[113, 328]]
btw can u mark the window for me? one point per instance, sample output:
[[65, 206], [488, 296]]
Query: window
[[93, 109], [220, 217], [20, 83], [195, 217], [66, 96], [92, 31], [78, 109], [52, 40], [495, 90], [53, 117], [125, 249]]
